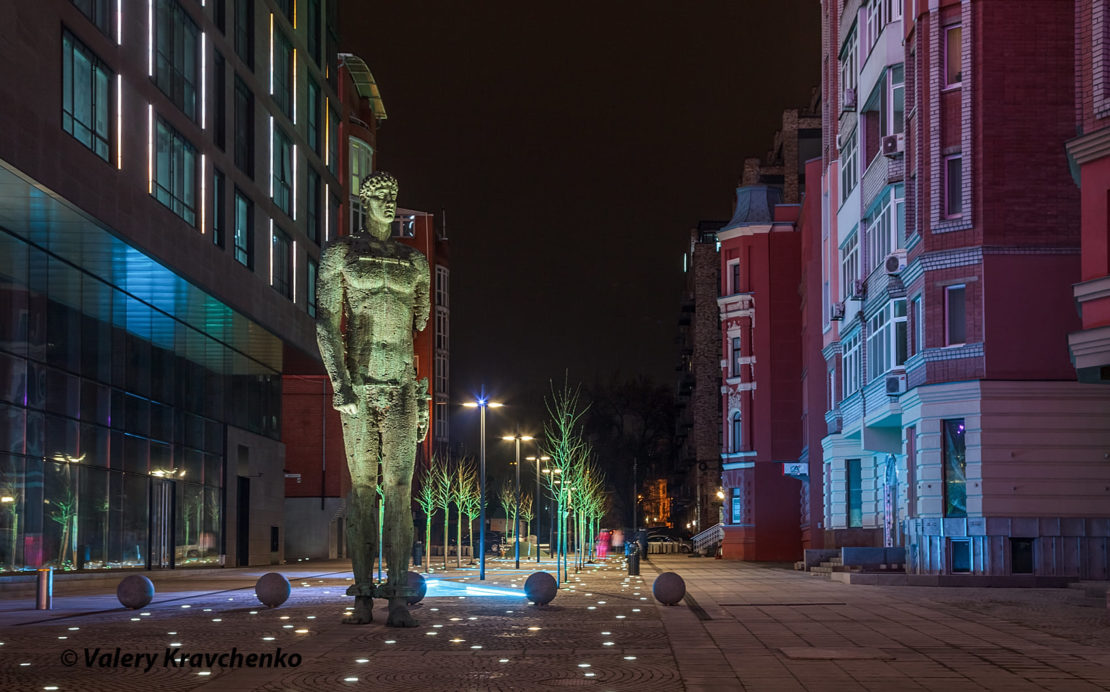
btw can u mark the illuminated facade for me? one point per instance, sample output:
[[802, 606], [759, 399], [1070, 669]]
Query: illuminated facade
[[168, 176], [956, 428]]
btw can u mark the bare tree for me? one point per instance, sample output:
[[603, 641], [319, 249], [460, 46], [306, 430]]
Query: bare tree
[[426, 498]]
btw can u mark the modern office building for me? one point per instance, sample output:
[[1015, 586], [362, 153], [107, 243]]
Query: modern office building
[[168, 172]]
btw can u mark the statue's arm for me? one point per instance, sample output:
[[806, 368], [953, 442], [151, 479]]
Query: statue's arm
[[329, 313], [421, 294]]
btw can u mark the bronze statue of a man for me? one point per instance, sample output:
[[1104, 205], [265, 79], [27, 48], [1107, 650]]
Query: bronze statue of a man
[[381, 288]]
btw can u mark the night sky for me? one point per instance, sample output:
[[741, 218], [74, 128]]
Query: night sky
[[573, 145]]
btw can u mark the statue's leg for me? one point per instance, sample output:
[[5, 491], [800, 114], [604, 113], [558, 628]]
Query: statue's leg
[[362, 447], [398, 459]]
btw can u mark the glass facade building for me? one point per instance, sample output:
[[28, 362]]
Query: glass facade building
[[113, 410]]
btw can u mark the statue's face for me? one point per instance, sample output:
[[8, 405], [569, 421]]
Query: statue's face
[[381, 207]]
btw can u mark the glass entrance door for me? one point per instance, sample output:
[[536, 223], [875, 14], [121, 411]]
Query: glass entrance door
[[162, 511]]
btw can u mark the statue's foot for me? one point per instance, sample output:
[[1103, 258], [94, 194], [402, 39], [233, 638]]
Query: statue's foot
[[363, 612], [399, 615]]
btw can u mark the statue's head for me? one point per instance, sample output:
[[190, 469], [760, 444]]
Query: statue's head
[[379, 201]]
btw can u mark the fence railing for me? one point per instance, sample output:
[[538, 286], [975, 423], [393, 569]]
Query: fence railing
[[710, 538]]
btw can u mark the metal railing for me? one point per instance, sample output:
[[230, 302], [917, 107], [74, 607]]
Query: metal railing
[[710, 538]]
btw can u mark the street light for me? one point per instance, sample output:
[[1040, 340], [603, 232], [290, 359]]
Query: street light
[[482, 404], [538, 459], [516, 513]]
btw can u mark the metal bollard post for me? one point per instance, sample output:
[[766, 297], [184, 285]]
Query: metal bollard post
[[44, 594]]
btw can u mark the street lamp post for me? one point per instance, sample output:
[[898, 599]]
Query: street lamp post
[[536, 503], [516, 512], [482, 405]]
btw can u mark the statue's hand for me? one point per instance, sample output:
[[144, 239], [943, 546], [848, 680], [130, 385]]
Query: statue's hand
[[345, 401]]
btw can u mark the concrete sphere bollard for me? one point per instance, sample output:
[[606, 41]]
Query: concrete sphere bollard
[[669, 588], [540, 588], [135, 591], [416, 581], [272, 589]]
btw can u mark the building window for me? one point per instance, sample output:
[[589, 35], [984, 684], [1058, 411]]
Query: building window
[[955, 323], [286, 7], [244, 230], [177, 55], [849, 157], [848, 74], [1021, 556], [886, 228], [244, 31], [313, 116], [283, 171], [886, 339], [734, 277], [361, 164], [175, 173], [855, 493], [953, 56], [443, 294], [852, 364], [86, 96], [918, 326], [895, 112], [219, 86], [310, 287], [244, 127], [219, 207], [314, 30], [737, 506], [333, 141], [737, 356], [954, 450], [737, 425], [313, 207], [953, 185], [97, 11], [282, 78], [281, 263], [849, 266], [333, 218]]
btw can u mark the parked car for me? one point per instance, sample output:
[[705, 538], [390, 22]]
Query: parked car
[[682, 545]]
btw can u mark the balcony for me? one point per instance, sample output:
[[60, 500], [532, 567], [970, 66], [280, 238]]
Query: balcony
[[833, 421]]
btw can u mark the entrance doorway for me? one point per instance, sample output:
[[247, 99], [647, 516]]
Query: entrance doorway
[[243, 522], [163, 501]]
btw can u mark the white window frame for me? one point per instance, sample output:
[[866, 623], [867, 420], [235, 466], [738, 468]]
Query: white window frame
[[849, 264]]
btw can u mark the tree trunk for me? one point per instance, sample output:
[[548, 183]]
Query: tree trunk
[[428, 543], [470, 535], [458, 538], [446, 532]]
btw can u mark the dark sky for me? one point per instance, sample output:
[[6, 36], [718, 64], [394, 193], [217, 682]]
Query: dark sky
[[573, 145]]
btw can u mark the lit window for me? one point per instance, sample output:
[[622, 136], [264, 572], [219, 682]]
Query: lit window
[[175, 172], [953, 56], [244, 230], [177, 56], [86, 96], [954, 450]]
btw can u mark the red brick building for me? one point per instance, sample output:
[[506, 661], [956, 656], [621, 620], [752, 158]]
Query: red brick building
[[1089, 158]]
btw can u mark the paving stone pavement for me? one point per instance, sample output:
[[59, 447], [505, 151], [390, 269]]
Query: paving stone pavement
[[742, 627]]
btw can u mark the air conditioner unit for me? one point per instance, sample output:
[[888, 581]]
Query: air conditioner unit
[[859, 289], [895, 384], [894, 145], [895, 262], [836, 311], [849, 100]]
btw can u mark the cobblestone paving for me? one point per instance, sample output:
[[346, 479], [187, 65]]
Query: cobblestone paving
[[744, 627], [598, 633]]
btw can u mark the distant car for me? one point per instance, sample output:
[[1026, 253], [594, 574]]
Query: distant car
[[684, 546]]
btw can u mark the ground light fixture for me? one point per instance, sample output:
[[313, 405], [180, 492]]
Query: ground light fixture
[[482, 404]]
